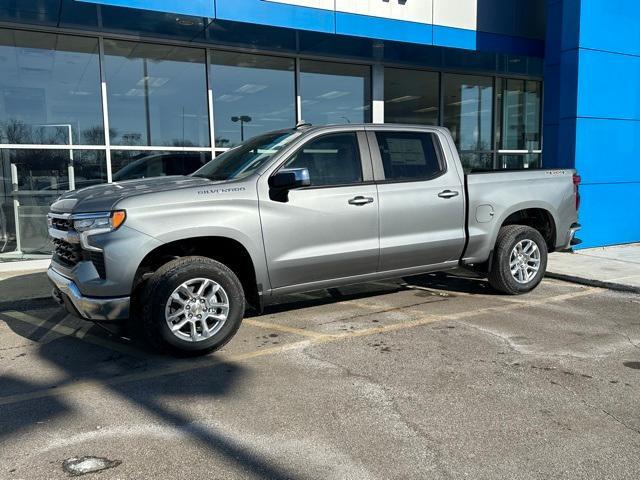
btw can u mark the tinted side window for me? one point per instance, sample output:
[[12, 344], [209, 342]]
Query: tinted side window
[[331, 160], [409, 155]]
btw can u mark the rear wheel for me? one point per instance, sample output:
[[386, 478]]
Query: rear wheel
[[519, 260], [193, 305]]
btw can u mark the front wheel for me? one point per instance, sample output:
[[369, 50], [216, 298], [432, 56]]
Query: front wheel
[[519, 260], [192, 305]]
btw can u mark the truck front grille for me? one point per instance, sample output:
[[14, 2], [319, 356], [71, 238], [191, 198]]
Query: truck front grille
[[63, 224], [66, 253], [70, 254]]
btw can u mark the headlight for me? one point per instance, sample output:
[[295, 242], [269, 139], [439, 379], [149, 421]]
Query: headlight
[[107, 221]]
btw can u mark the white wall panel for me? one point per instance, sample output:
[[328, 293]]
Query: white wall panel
[[456, 13], [420, 11], [525, 18]]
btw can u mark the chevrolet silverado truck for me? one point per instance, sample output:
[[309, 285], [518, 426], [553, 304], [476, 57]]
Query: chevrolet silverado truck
[[297, 210]]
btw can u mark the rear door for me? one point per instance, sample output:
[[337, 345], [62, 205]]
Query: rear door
[[421, 199], [330, 229]]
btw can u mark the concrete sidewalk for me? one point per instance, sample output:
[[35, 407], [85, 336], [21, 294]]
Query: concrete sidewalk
[[17, 286], [616, 267]]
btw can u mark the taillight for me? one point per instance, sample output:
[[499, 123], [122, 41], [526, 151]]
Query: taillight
[[576, 188]]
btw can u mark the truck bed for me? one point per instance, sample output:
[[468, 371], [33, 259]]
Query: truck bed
[[493, 196]]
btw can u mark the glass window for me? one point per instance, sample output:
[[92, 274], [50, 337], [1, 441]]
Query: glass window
[[468, 113], [408, 156], [411, 96], [252, 94], [49, 89], [335, 92], [40, 176], [130, 165], [246, 158], [519, 122], [331, 160], [157, 95]]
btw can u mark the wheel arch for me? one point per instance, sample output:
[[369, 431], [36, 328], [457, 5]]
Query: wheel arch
[[224, 249], [537, 217]]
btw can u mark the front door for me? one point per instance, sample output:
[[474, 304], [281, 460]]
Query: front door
[[421, 200], [330, 229]]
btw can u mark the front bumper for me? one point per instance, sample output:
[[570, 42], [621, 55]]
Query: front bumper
[[66, 292]]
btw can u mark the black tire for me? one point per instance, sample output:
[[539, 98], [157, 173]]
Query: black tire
[[500, 276], [162, 284]]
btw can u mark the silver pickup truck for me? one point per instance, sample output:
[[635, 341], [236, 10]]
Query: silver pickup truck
[[298, 210]]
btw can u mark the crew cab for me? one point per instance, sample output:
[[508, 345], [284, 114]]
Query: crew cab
[[298, 210]]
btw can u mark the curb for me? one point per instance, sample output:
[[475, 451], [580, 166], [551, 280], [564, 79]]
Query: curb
[[27, 303], [618, 287]]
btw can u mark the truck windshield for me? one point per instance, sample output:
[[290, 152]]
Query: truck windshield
[[246, 158]]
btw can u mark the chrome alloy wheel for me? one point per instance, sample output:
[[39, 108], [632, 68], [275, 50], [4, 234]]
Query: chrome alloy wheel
[[197, 310], [524, 261]]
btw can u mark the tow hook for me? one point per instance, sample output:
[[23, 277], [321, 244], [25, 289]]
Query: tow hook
[[57, 296]]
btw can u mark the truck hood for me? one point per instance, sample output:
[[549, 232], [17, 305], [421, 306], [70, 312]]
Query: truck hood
[[102, 198]]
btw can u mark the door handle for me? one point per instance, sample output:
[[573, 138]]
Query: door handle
[[360, 201], [448, 194]]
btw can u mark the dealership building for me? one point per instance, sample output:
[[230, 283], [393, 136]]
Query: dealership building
[[108, 90]]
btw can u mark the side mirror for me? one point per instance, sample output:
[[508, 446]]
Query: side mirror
[[290, 178]]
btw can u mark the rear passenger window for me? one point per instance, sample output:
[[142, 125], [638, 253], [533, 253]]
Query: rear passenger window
[[409, 155], [331, 160]]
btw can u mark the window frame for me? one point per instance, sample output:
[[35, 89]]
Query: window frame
[[366, 168], [376, 157]]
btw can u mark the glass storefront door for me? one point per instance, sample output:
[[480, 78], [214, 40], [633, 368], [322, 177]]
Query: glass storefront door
[[518, 131]]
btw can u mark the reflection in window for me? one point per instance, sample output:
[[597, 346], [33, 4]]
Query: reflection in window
[[529, 160], [157, 95], [131, 165], [331, 160], [411, 96], [49, 89], [252, 94], [41, 176], [335, 93], [519, 121], [468, 113]]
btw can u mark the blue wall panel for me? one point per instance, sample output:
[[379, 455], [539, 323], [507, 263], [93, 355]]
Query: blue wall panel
[[569, 70], [608, 151], [384, 29], [276, 15], [609, 214], [611, 25], [608, 85], [455, 37], [198, 8]]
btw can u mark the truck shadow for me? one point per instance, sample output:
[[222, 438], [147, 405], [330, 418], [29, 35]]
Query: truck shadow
[[451, 283]]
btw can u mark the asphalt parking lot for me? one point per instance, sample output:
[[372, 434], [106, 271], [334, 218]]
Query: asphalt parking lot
[[437, 378]]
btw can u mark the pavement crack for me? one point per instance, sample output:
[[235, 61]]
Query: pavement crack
[[599, 409], [389, 402], [625, 334], [621, 422]]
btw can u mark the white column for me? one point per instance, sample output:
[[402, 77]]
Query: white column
[[378, 93]]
